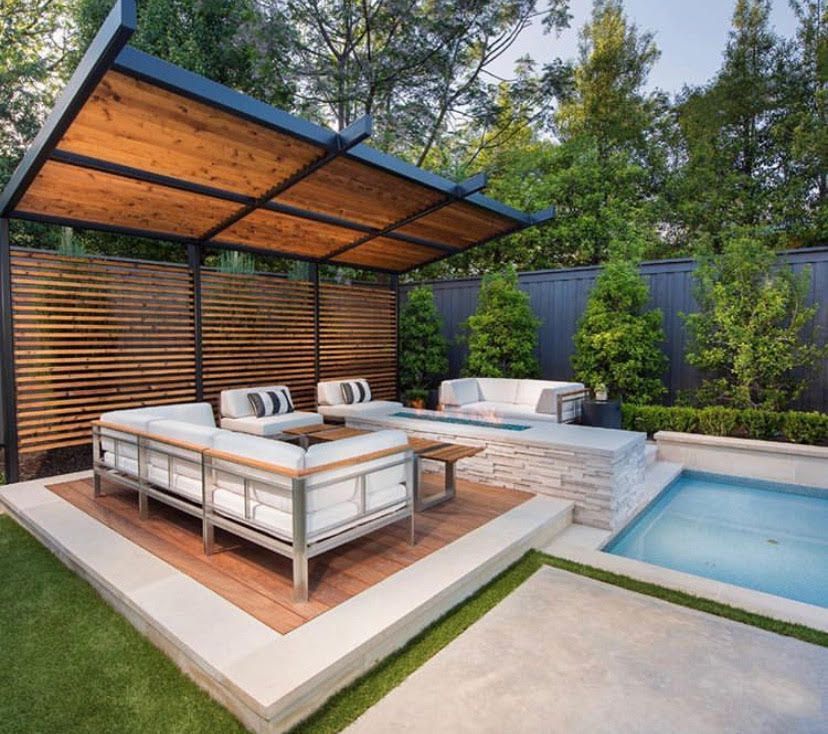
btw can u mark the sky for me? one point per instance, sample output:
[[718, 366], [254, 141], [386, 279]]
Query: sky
[[691, 35]]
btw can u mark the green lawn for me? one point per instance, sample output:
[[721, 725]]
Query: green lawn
[[69, 663]]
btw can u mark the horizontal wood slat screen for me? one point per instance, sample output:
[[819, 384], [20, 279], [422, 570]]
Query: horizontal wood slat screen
[[358, 336], [257, 330], [93, 334], [96, 334]]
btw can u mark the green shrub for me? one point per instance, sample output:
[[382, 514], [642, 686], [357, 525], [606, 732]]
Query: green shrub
[[765, 425], [809, 428], [754, 336], [503, 333], [618, 339], [423, 348], [718, 421], [793, 426]]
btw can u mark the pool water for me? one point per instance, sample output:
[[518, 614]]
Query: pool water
[[461, 421], [761, 535]]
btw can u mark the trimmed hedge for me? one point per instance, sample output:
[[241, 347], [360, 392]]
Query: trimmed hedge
[[793, 426]]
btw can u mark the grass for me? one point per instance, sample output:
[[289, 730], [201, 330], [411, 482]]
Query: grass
[[70, 663]]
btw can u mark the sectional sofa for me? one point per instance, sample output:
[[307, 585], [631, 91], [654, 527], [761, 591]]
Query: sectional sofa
[[296, 502], [539, 400]]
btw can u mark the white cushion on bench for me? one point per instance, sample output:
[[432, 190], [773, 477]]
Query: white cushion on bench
[[344, 411], [271, 425], [235, 403]]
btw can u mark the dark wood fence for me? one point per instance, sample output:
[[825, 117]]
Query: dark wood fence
[[93, 334], [559, 296]]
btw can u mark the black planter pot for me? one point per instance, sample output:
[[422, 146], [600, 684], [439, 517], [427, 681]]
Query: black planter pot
[[601, 413], [432, 398]]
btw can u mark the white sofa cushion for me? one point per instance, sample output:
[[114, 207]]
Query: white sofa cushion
[[235, 403], [271, 425], [459, 392], [344, 411], [329, 392], [498, 390]]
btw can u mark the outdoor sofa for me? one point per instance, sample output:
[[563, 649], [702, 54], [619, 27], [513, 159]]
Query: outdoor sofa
[[332, 405], [296, 502], [539, 400]]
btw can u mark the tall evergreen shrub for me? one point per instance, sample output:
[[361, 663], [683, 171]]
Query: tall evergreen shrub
[[753, 337], [423, 348], [503, 333], [618, 341]]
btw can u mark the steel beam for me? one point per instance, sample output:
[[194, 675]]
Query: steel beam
[[317, 322], [108, 42], [395, 287], [7, 386]]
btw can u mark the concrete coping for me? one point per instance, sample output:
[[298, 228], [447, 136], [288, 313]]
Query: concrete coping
[[743, 444]]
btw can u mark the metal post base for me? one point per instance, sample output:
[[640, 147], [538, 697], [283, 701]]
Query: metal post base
[[300, 578], [208, 536], [96, 482], [143, 505]]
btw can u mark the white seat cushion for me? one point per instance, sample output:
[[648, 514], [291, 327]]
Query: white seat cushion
[[235, 403], [271, 425], [343, 411]]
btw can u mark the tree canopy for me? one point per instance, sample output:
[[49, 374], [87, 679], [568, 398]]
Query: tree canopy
[[618, 159]]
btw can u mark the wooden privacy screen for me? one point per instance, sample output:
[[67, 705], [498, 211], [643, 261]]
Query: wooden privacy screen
[[258, 330], [358, 336], [95, 334]]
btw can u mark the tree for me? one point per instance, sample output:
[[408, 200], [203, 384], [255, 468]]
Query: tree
[[754, 336], [417, 67], [618, 341], [750, 149], [33, 45], [502, 334], [423, 348], [227, 41]]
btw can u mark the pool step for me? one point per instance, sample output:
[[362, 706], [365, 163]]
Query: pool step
[[658, 475]]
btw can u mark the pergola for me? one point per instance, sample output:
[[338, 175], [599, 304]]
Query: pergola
[[141, 147]]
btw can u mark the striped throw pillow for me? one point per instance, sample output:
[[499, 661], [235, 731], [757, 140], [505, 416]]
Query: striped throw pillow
[[270, 402], [356, 391]]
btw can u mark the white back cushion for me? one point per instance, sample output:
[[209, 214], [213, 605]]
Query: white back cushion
[[182, 431], [529, 391], [137, 418], [234, 403], [459, 392], [327, 453], [200, 413], [498, 389], [329, 392]]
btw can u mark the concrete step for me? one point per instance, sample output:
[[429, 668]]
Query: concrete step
[[651, 453]]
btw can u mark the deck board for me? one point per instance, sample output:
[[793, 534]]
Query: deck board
[[258, 580]]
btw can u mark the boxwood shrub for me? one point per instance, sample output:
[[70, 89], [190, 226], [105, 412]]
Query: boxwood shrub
[[794, 426]]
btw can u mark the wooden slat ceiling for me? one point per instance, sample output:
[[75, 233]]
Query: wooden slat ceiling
[[140, 158]]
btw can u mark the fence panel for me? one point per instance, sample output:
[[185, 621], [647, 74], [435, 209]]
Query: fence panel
[[358, 335], [559, 296], [94, 334], [257, 330]]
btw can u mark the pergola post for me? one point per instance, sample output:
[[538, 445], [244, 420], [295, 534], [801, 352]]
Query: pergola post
[[395, 286], [194, 261], [7, 386]]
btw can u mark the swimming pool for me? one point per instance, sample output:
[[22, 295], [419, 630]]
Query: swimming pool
[[761, 535]]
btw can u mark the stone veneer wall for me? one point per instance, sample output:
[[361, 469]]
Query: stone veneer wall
[[607, 487]]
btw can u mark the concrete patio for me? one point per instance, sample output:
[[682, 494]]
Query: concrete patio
[[568, 654]]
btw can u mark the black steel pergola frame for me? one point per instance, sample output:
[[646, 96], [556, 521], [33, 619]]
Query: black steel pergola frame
[[109, 51]]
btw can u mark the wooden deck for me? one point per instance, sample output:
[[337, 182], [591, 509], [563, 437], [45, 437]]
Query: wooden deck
[[258, 580]]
